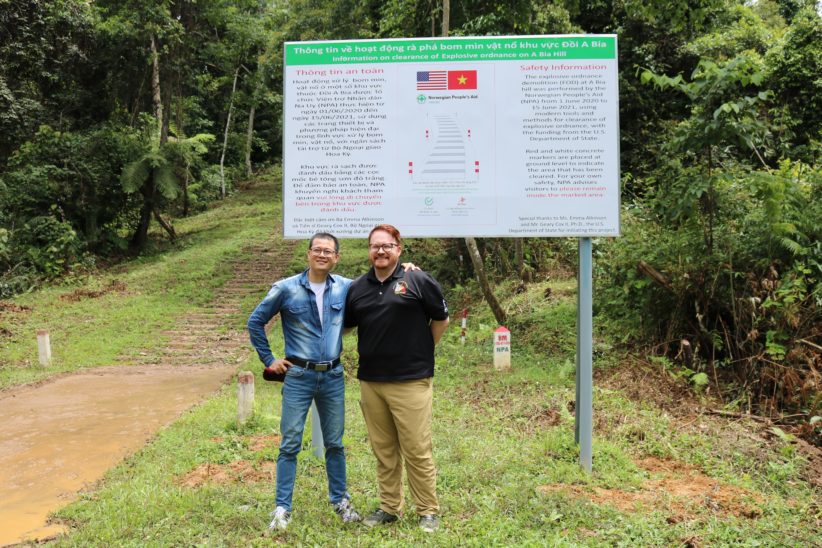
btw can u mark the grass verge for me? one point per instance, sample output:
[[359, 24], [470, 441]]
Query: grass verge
[[507, 462]]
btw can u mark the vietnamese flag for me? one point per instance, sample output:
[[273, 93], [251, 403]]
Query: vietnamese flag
[[462, 79]]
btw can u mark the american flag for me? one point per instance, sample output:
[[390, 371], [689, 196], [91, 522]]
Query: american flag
[[432, 79]]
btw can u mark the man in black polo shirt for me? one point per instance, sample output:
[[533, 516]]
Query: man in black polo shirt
[[400, 317]]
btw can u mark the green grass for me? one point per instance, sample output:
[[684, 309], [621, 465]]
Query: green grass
[[498, 436], [491, 459]]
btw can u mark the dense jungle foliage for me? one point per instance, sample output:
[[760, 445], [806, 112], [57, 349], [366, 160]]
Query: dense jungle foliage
[[114, 115]]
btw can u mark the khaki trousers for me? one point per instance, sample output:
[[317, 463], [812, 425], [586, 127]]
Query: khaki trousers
[[398, 416]]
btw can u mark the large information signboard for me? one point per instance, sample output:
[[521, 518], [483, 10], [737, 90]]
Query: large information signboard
[[492, 136]]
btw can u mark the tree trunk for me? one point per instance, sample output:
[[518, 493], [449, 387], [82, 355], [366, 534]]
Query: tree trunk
[[446, 16], [91, 227], [519, 255], [708, 205], [166, 121], [138, 101], [185, 189], [502, 253], [166, 225], [487, 292], [225, 134], [157, 97], [138, 241], [654, 274], [249, 137]]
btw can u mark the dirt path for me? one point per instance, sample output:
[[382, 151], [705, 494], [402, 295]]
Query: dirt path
[[61, 436]]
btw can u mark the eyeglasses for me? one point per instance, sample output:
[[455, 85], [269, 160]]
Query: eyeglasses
[[384, 247], [320, 252]]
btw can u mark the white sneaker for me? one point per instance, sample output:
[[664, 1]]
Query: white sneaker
[[281, 518]]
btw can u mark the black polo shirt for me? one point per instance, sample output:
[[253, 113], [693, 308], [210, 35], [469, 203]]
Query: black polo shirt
[[392, 318]]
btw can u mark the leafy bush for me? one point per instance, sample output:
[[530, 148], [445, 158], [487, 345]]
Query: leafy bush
[[50, 246], [73, 175], [61, 196], [5, 250], [43, 248], [751, 304]]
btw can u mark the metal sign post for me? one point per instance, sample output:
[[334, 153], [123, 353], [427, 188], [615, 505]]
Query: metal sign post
[[584, 410], [317, 443]]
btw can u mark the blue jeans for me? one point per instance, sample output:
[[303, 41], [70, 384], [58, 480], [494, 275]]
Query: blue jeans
[[327, 389]]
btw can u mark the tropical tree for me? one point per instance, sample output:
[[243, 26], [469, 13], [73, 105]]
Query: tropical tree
[[45, 60], [155, 175], [794, 69]]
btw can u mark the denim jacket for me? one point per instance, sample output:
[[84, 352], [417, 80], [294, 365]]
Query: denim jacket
[[305, 337]]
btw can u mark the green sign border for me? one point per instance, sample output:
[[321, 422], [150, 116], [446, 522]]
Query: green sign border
[[452, 50]]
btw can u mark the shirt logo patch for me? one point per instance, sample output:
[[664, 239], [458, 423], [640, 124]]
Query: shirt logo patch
[[400, 288]]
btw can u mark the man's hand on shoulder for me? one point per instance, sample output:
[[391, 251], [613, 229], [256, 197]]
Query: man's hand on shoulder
[[410, 267]]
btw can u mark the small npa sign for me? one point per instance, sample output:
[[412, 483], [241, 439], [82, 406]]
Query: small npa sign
[[502, 348]]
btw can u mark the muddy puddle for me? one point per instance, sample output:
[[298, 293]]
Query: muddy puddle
[[60, 437]]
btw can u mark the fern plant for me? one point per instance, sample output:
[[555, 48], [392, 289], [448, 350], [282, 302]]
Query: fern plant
[[157, 175]]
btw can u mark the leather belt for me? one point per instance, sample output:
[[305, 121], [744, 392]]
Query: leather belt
[[316, 366]]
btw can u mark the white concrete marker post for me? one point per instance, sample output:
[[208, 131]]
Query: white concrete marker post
[[502, 349], [43, 347], [245, 396], [464, 325]]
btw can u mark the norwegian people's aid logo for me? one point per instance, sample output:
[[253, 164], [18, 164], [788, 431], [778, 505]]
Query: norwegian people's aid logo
[[400, 288]]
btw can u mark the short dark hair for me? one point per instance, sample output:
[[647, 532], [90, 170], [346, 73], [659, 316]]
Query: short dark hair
[[391, 229], [325, 236]]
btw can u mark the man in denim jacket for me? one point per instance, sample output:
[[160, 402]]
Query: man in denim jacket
[[313, 343]]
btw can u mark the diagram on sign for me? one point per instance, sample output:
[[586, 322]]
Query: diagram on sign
[[446, 150], [447, 153]]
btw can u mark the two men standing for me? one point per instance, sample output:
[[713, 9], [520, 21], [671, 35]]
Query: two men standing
[[401, 315]]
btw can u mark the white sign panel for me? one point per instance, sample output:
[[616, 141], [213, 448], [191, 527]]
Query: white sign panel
[[492, 136]]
